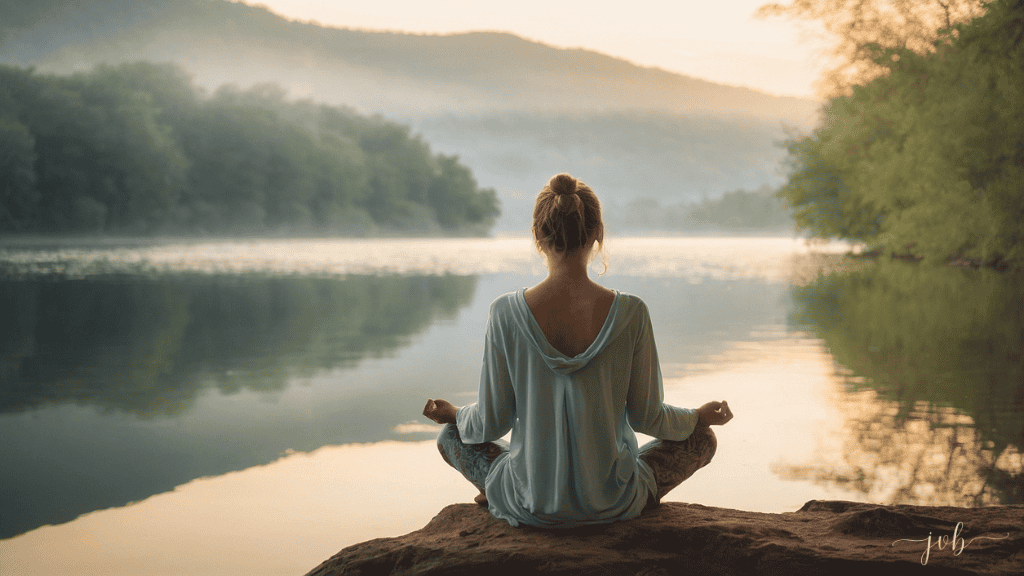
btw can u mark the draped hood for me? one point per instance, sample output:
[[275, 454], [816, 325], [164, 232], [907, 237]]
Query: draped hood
[[618, 318]]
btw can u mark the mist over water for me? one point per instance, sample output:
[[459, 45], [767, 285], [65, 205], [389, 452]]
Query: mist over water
[[770, 259]]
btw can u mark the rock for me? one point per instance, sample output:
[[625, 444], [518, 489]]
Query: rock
[[823, 537]]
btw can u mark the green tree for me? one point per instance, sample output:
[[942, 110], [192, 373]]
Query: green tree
[[137, 149], [454, 196], [926, 158]]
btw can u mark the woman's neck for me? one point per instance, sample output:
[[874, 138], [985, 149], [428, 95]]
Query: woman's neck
[[569, 270]]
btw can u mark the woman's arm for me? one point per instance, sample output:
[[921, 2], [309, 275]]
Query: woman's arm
[[645, 407], [494, 412]]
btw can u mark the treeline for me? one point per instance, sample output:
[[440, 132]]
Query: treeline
[[927, 160], [138, 149], [737, 211]]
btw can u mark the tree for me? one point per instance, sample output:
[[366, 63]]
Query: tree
[[454, 197], [926, 158]]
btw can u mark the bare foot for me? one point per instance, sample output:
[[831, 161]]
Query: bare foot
[[481, 499]]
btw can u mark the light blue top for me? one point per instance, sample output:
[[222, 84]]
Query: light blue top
[[573, 457]]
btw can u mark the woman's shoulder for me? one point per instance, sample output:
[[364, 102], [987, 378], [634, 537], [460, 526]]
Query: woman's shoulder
[[630, 301], [507, 300], [631, 311], [506, 306]]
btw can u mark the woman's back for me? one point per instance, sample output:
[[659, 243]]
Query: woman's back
[[570, 316]]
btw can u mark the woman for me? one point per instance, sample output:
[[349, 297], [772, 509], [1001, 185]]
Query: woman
[[571, 368]]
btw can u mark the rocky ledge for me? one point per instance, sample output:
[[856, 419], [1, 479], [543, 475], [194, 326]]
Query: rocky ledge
[[823, 537]]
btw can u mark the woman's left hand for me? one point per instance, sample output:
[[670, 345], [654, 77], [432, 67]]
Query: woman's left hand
[[440, 411]]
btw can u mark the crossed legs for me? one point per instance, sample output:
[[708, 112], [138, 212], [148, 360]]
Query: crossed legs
[[472, 460], [672, 462]]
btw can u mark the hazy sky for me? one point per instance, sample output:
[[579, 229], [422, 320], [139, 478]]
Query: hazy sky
[[714, 40]]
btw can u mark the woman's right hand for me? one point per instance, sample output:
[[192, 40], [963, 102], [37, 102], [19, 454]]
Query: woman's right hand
[[714, 414]]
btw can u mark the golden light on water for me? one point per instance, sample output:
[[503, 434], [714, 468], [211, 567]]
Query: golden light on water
[[931, 456], [781, 392], [282, 518]]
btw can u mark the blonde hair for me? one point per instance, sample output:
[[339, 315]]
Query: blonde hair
[[567, 217]]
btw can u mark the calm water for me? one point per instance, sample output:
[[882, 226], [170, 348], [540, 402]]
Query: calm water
[[253, 407]]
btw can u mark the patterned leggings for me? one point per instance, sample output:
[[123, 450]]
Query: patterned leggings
[[671, 461]]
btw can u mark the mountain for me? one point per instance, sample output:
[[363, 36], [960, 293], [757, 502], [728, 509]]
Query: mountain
[[461, 92]]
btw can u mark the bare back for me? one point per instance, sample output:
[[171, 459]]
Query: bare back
[[570, 318]]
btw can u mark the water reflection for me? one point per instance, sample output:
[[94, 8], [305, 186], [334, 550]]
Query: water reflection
[[117, 388], [286, 517], [231, 355], [149, 347], [259, 366], [933, 383]]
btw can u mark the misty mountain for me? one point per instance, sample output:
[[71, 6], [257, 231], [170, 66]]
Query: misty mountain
[[656, 157], [514, 111]]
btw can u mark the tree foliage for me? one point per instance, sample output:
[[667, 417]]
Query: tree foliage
[[929, 158], [138, 149]]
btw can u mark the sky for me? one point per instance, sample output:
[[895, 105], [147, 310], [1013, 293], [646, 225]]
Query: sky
[[719, 41]]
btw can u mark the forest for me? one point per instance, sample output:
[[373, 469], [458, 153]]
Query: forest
[[920, 151], [139, 149]]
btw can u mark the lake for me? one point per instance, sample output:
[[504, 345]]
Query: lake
[[253, 406]]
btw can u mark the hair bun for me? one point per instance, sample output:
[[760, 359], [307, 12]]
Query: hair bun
[[563, 184]]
